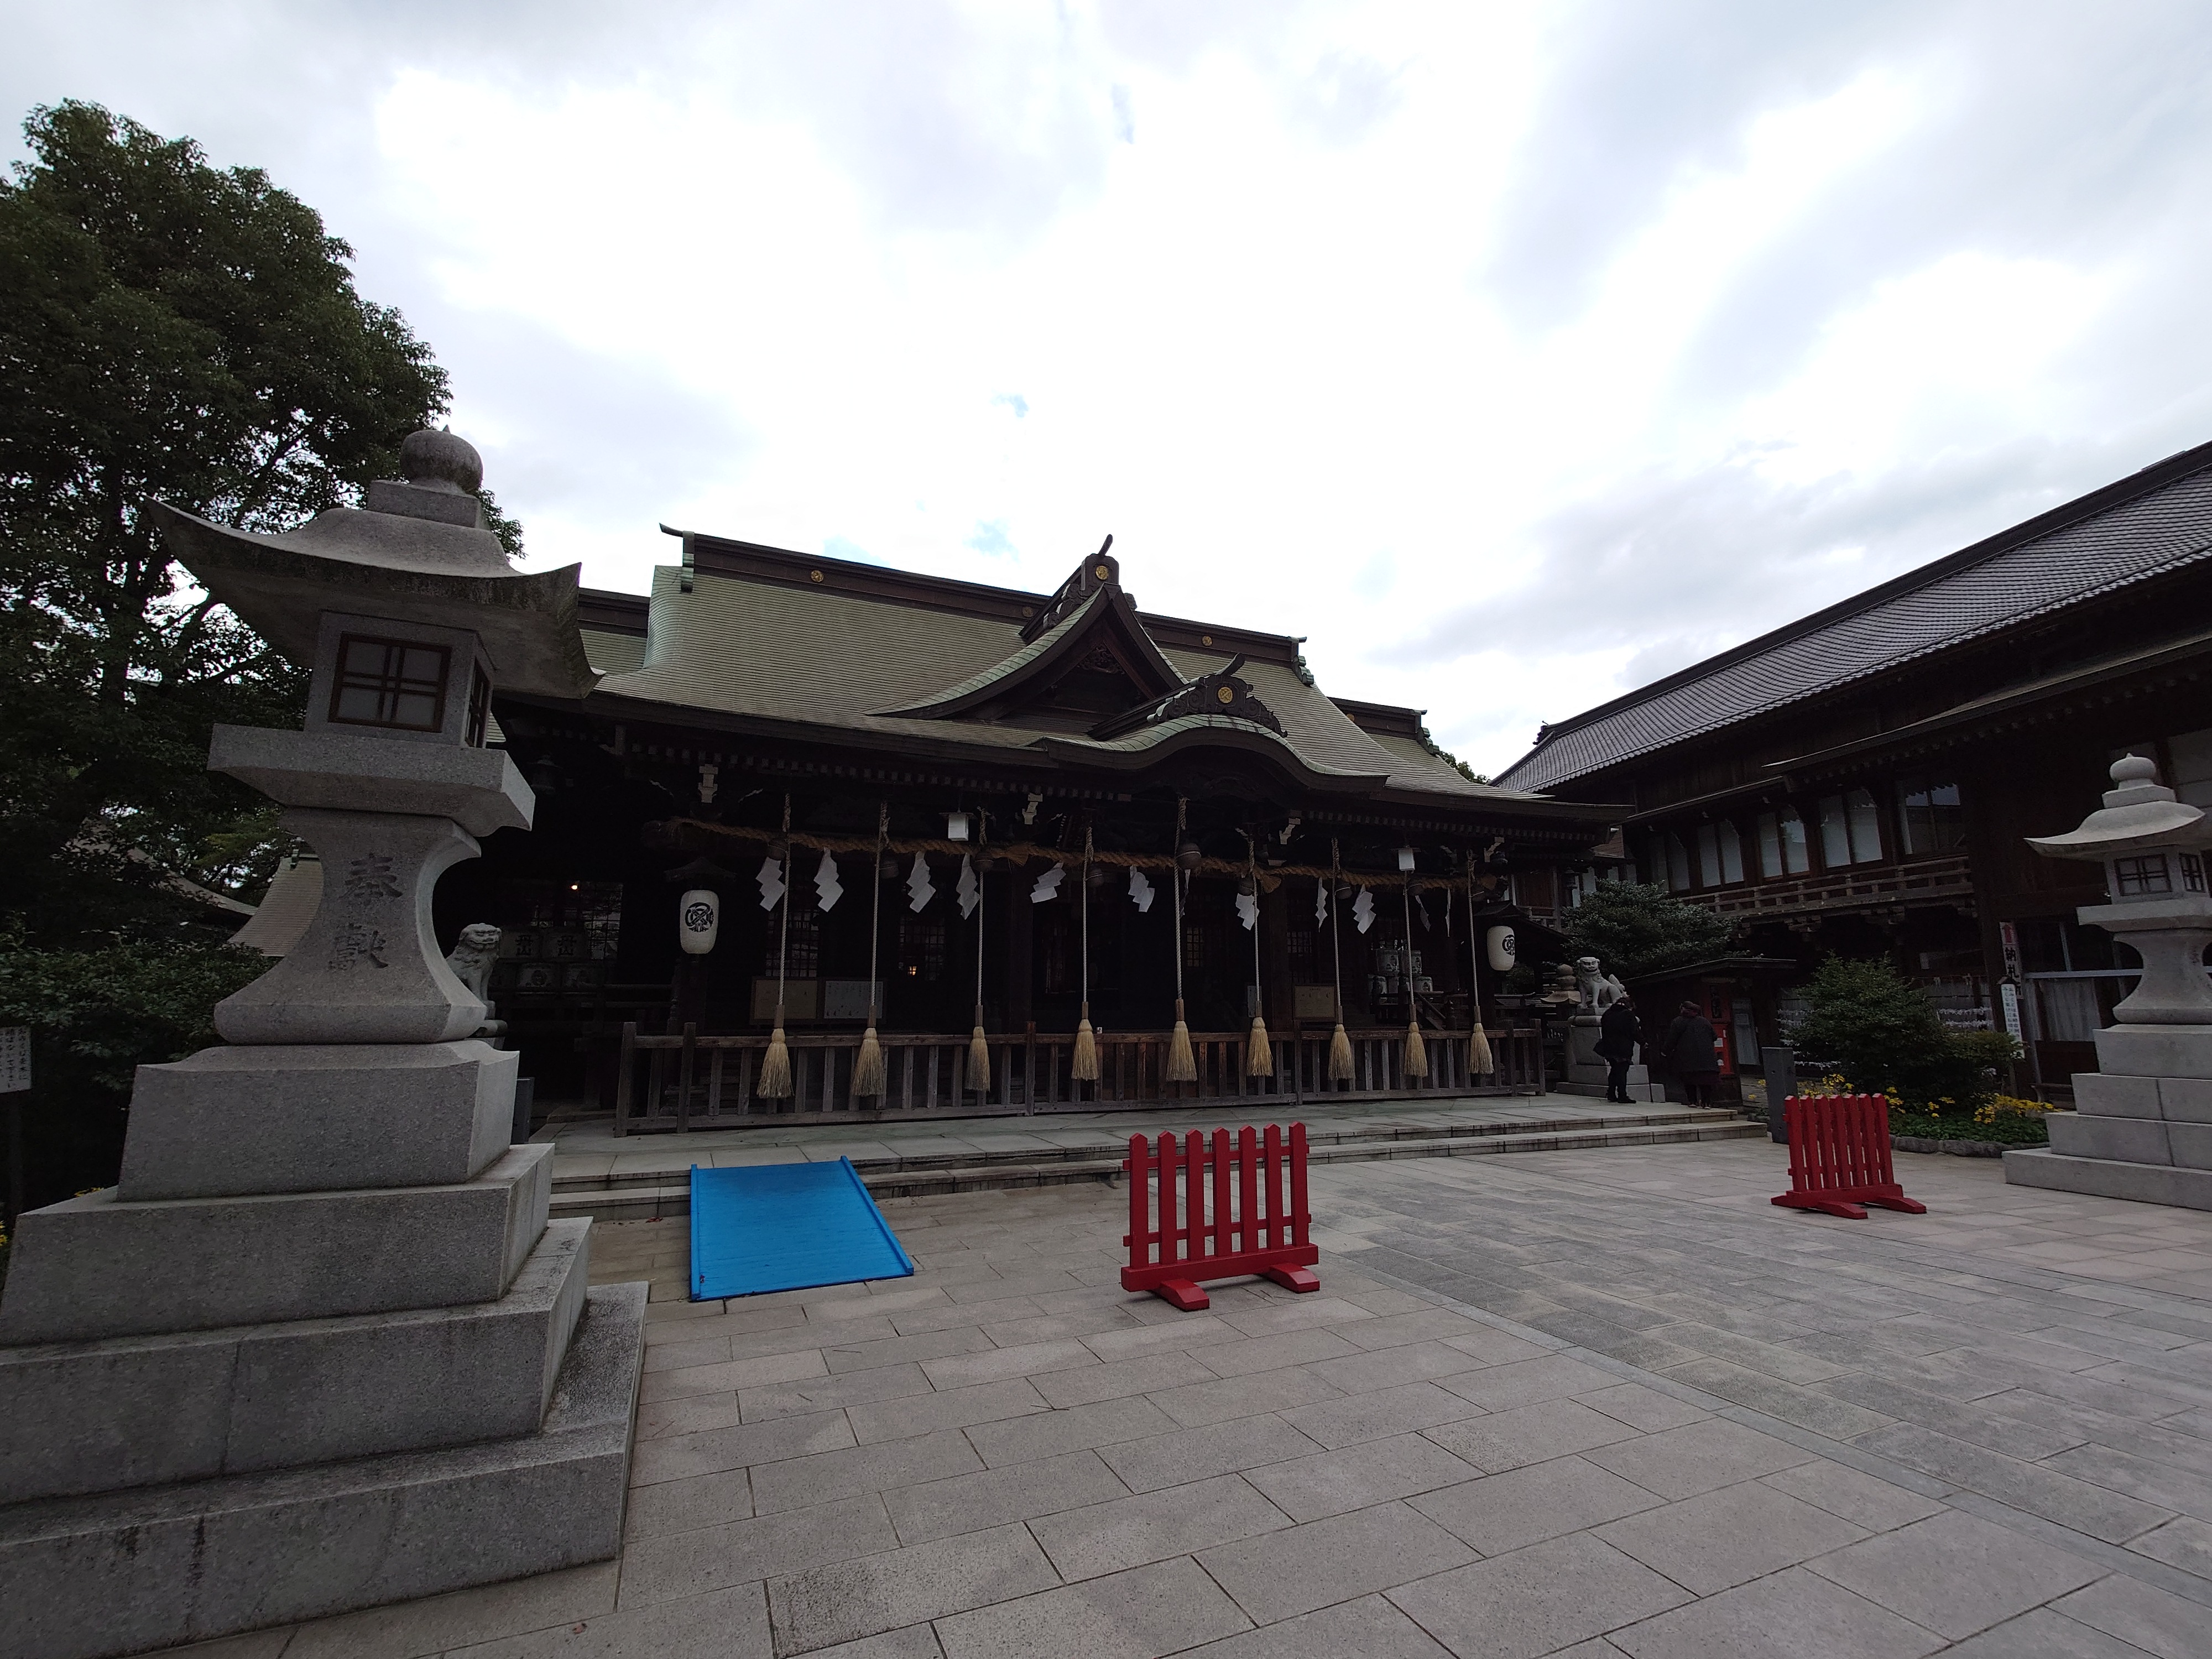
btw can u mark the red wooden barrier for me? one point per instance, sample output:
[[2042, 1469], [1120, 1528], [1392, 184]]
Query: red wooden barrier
[[1839, 1156], [1263, 1231]]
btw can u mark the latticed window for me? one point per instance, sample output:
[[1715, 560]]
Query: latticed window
[[398, 684], [805, 960], [2144, 875], [921, 948], [1304, 957]]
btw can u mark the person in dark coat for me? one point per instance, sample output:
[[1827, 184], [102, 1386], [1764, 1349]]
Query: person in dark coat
[[1619, 1031], [1691, 1051]]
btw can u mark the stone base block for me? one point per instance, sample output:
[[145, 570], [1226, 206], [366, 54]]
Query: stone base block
[[317, 1119], [2181, 1099], [90, 1417], [2159, 1051], [122, 1573], [94, 1267], [2106, 1094], [2144, 1183], [2129, 1140]]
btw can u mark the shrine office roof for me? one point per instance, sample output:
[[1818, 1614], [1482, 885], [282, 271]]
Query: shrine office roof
[[2157, 520], [759, 639]]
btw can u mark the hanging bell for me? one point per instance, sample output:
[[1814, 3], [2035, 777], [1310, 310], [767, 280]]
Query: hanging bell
[[779, 849], [1249, 888], [1189, 855], [888, 869], [1098, 877]]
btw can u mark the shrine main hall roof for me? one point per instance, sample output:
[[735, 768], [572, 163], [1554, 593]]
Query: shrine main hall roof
[[746, 638]]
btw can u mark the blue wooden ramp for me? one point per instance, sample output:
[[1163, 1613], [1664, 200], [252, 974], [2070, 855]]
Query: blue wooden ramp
[[786, 1227]]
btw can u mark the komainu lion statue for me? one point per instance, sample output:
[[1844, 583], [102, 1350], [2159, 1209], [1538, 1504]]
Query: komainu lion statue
[[472, 957], [1599, 990]]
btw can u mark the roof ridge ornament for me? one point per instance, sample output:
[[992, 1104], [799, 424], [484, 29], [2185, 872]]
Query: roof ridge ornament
[[1099, 570], [1225, 694]]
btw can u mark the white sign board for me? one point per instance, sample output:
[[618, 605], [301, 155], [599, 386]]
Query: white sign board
[[14, 1058], [2010, 994]]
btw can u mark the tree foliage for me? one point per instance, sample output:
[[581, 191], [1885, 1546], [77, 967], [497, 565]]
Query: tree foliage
[[172, 330], [1882, 1031], [1636, 928]]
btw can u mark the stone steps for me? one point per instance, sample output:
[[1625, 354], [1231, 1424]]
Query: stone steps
[[640, 1196]]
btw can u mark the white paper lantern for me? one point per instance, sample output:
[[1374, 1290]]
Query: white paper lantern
[[698, 919], [1500, 945]]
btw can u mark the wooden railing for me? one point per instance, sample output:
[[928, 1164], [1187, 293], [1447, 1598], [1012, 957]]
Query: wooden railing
[[681, 1080], [1852, 888]]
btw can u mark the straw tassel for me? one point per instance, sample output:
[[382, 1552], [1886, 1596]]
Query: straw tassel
[[1416, 1052], [1083, 1065], [1339, 1045], [1478, 1061], [1259, 1049], [868, 1064], [1183, 1065], [775, 1065]]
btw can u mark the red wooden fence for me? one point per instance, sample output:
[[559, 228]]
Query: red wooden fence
[[1839, 1158], [1263, 1230]]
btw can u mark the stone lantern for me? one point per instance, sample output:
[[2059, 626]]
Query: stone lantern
[[320, 1347], [2142, 1127]]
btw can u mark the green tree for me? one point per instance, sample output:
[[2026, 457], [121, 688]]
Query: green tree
[[175, 331], [1634, 927], [1882, 1031]]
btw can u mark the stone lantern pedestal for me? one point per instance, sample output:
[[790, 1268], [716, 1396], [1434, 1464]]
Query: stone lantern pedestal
[[2143, 1125], [320, 1347]]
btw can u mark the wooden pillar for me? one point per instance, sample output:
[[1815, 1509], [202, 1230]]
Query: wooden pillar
[[1278, 998], [1012, 939]]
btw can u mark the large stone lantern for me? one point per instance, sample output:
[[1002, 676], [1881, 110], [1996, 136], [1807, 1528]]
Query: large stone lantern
[[2142, 1127], [320, 1347]]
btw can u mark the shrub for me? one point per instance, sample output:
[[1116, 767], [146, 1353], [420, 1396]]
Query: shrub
[[1880, 1029], [1634, 927]]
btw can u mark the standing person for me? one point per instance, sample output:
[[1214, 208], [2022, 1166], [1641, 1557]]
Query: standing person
[[1692, 1052], [1619, 1031]]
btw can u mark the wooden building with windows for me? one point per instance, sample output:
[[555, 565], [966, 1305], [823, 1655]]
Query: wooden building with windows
[[890, 735], [1861, 780]]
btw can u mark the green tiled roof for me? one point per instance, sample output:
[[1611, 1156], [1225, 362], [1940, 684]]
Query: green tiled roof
[[791, 656]]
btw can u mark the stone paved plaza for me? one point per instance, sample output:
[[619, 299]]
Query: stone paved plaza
[[1587, 1403]]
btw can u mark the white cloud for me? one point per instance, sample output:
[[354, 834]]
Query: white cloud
[[1513, 356]]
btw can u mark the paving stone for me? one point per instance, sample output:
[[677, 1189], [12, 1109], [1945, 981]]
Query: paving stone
[[1171, 1460], [1641, 1407], [2043, 1634], [1719, 1539], [1794, 1614], [1369, 1628], [1142, 1613], [1128, 1532], [833, 1392], [1280, 1574], [1861, 1498], [2050, 1494], [435, 1623], [2142, 1614], [1185, 1331], [2160, 1483], [704, 1500], [1493, 1347], [727, 1624], [1502, 1512], [849, 1599], [1430, 1324], [1123, 1378], [1373, 1416], [972, 1503], [953, 1408], [900, 1350], [1303, 1313], [1808, 1408], [1697, 1457], [1270, 1353], [731, 1374], [2185, 1543], [1525, 1381], [1979, 1423], [677, 1564], [996, 1364], [733, 1448], [1529, 1434], [797, 1482], [1956, 1573], [1374, 1472], [1018, 1439], [1219, 1399], [1537, 1600]]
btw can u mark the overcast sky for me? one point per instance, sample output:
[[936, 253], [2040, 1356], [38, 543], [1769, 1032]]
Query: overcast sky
[[1517, 354]]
